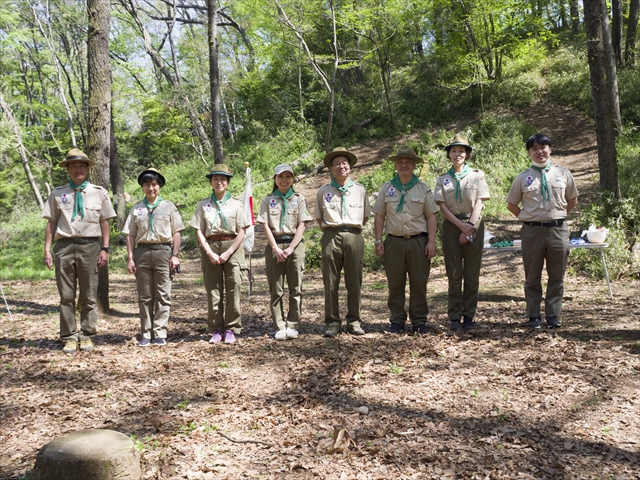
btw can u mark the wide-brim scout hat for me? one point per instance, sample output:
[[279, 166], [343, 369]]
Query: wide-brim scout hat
[[220, 169], [405, 151], [339, 152], [161, 180], [459, 141], [76, 155], [283, 167]]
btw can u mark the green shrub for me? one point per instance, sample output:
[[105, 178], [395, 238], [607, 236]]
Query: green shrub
[[22, 237]]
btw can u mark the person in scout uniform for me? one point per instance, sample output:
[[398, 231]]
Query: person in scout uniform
[[284, 213], [548, 193], [153, 242], [406, 210], [460, 193], [78, 220], [342, 209], [220, 223]]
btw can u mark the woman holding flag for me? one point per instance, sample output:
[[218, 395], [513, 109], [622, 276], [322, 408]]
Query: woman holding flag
[[153, 243], [460, 193], [220, 223], [283, 214]]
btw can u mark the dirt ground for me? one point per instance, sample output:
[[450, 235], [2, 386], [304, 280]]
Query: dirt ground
[[499, 402]]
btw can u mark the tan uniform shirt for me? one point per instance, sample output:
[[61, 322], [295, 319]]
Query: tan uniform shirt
[[329, 206], [271, 210], [527, 188], [206, 212], [166, 222], [472, 187], [59, 209], [418, 205]]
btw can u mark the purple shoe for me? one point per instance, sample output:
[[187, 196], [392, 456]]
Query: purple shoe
[[229, 337], [216, 338]]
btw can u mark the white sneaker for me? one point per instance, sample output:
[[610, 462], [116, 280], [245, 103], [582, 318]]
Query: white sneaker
[[281, 335], [292, 333]]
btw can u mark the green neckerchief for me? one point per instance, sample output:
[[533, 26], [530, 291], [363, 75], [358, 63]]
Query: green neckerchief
[[150, 209], [220, 204], [78, 203], [285, 212], [343, 191], [395, 181], [459, 176], [545, 185]]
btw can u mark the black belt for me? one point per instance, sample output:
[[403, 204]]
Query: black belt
[[283, 239], [79, 240], [550, 223], [154, 246], [417, 235], [220, 238], [355, 230], [463, 216]]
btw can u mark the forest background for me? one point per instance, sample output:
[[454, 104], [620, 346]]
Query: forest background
[[268, 82]]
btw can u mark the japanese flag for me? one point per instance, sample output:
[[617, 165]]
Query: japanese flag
[[247, 203]]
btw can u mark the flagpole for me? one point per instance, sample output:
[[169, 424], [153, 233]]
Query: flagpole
[[247, 201]]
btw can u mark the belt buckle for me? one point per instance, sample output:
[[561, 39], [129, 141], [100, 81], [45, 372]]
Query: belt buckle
[[407, 236]]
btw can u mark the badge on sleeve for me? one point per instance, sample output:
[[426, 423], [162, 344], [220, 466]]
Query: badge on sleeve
[[273, 202], [392, 192], [64, 198], [139, 212], [328, 197], [207, 207], [529, 179]]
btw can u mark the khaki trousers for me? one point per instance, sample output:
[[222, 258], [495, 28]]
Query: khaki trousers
[[154, 288], [221, 279], [292, 270], [402, 257], [77, 267], [462, 262], [540, 244], [342, 250]]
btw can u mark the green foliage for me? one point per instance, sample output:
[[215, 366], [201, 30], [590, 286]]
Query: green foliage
[[566, 75], [22, 242]]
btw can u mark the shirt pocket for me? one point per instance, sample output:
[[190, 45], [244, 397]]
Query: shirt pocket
[[558, 191], [415, 205], [91, 214], [162, 224]]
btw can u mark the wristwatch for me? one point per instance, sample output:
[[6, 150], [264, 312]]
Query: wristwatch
[[105, 249], [377, 242]]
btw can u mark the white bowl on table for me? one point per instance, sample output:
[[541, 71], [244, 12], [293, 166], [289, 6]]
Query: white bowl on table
[[596, 236]]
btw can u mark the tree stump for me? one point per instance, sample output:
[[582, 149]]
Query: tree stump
[[88, 455]]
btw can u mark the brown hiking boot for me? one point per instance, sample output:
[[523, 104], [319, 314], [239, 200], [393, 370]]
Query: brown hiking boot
[[86, 345], [70, 347]]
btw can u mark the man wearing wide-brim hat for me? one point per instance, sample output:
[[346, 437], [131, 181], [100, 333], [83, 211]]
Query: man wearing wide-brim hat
[[406, 211], [153, 243], [342, 209], [78, 220]]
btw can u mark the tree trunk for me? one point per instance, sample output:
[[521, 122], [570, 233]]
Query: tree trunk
[[332, 90], [574, 10], [616, 30], [596, 21], [117, 186], [612, 74], [632, 29], [15, 128], [99, 110], [214, 81]]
